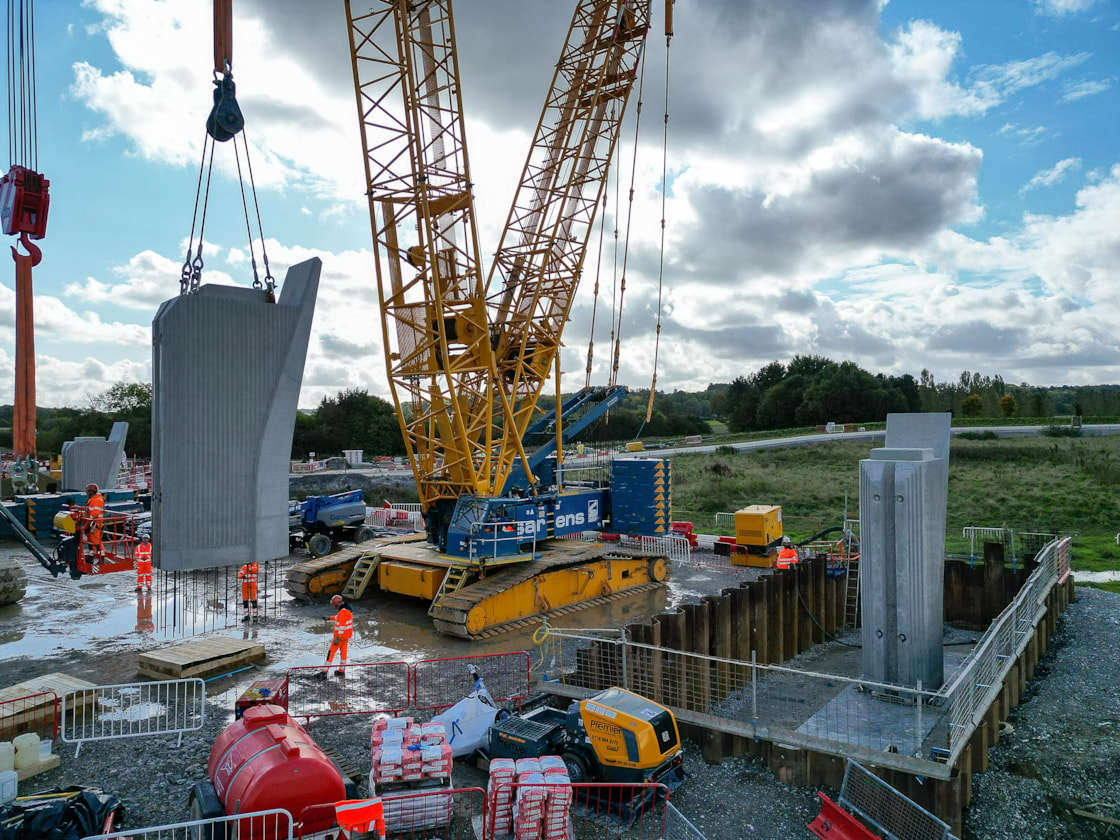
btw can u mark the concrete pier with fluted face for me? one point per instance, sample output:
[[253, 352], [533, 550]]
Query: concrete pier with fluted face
[[903, 490]]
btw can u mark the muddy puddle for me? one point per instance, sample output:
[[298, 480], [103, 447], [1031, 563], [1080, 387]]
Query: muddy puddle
[[105, 614]]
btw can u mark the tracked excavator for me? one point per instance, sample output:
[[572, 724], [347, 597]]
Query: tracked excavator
[[468, 357]]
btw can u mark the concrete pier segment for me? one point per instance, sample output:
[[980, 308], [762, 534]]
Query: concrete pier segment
[[93, 460], [227, 365], [903, 491]]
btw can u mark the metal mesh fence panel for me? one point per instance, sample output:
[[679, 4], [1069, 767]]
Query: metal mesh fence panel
[[381, 687]]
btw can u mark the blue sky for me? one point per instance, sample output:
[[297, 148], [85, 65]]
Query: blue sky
[[929, 184]]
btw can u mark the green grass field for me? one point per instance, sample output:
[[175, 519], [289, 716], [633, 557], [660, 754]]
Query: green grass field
[[1066, 485]]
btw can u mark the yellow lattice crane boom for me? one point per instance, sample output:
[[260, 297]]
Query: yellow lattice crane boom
[[468, 352], [540, 259]]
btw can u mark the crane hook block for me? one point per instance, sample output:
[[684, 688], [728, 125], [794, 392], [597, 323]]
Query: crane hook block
[[24, 202], [225, 118]]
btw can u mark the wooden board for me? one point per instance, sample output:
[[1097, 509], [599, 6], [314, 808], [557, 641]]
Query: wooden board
[[20, 717], [39, 767], [200, 658]]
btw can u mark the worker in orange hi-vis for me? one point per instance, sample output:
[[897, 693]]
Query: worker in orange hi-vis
[[94, 522], [144, 563], [787, 555], [343, 630], [248, 576], [144, 622]]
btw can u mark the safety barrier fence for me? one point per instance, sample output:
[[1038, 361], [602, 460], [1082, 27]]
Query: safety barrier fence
[[36, 713], [443, 812], [398, 516], [578, 812], [979, 681], [830, 713], [904, 728], [1017, 543], [440, 683], [275, 824], [887, 809], [367, 688], [586, 811], [673, 547], [394, 687], [677, 826], [132, 710]]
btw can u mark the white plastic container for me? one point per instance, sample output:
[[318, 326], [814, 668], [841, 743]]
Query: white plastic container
[[9, 786], [45, 746], [7, 756], [27, 750]]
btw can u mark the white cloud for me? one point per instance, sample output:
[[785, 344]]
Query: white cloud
[[816, 203], [1054, 175], [1090, 87], [1061, 8]]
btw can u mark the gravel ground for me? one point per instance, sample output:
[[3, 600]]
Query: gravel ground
[[1062, 753]]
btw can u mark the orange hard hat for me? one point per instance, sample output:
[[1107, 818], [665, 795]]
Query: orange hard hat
[[91, 488]]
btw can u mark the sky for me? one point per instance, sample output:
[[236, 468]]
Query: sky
[[909, 185]]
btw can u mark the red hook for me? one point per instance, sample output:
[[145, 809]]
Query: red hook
[[33, 250]]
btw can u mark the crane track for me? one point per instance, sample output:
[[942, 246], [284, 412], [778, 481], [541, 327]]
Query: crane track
[[451, 614]]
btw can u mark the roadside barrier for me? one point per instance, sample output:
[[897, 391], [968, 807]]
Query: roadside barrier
[[276, 824], [412, 813], [36, 713], [402, 516], [677, 826], [132, 710], [636, 812], [888, 809], [365, 688], [394, 687], [440, 683]]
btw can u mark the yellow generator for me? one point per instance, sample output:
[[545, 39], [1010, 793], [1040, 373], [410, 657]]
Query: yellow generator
[[759, 528], [613, 736]]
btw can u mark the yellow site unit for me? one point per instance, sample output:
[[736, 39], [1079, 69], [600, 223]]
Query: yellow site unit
[[413, 579], [758, 527]]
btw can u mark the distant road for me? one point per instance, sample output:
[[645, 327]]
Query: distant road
[[404, 474], [811, 440]]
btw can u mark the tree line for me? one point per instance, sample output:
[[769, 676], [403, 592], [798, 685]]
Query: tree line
[[808, 391], [813, 391]]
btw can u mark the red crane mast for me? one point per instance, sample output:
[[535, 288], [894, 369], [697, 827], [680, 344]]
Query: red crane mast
[[24, 201]]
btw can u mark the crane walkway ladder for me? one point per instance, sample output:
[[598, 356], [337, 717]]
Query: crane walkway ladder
[[851, 592], [365, 570], [456, 578]]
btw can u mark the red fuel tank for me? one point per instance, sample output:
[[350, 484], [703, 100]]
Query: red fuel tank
[[266, 760]]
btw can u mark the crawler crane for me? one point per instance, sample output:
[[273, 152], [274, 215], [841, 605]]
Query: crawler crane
[[468, 357]]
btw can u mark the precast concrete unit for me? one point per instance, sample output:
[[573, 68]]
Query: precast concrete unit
[[903, 489], [93, 460], [227, 364]]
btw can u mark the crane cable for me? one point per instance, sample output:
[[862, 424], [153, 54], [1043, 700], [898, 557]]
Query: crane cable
[[617, 330], [661, 258], [23, 118], [595, 292], [224, 123]]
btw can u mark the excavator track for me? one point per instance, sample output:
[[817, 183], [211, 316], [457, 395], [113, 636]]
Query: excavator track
[[327, 575], [566, 577]]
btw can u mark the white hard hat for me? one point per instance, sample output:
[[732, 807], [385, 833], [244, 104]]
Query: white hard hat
[[336, 601], [785, 541]]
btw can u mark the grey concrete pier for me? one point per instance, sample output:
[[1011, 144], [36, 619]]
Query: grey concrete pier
[[227, 365]]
